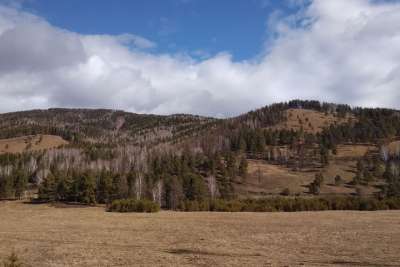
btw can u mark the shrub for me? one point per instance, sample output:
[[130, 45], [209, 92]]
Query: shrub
[[292, 204], [338, 180], [285, 192], [133, 205], [12, 261]]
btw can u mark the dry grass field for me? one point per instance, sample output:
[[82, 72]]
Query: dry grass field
[[264, 178], [310, 121], [43, 235], [270, 179], [30, 143], [394, 148]]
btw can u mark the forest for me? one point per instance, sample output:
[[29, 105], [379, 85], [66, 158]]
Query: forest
[[185, 162]]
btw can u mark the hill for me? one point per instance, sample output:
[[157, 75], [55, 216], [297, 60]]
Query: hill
[[298, 148]]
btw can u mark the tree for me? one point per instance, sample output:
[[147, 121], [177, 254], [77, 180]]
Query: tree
[[324, 153], [20, 181], [315, 186], [117, 187], [47, 189], [87, 189], [130, 180], [231, 165], [285, 192], [338, 180], [6, 186], [319, 179], [62, 188], [173, 192], [243, 166], [103, 187], [194, 187]]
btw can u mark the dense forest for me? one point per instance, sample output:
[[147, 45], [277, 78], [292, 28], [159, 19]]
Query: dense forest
[[186, 162]]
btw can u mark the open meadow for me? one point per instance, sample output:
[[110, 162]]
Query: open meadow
[[44, 235]]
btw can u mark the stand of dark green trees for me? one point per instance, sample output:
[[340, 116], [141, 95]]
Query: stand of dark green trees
[[180, 178]]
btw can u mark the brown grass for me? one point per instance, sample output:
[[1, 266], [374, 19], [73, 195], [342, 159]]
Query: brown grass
[[394, 148], [30, 143], [51, 236], [266, 179], [310, 121], [354, 151]]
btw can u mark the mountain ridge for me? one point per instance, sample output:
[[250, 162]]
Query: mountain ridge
[[284, 148]]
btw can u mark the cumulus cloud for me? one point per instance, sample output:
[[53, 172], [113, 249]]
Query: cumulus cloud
[[339, 51]]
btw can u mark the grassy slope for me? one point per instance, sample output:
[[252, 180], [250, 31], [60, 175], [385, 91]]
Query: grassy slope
[[310, 121], [30, 143]]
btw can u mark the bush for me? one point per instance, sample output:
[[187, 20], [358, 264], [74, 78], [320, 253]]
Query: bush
[[292, 204], [338, 180], [285, 192], [12, 261], [133, 205]]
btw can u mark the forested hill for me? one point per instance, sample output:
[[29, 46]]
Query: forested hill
[[100, 125], [294, 148]]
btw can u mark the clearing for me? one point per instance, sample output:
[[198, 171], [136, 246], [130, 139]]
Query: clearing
[[30, 143], [310, 121], [265, 178]]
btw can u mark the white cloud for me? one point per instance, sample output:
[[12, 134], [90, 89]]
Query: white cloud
[[340, 51]]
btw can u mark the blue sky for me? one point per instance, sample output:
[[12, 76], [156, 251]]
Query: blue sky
[[200, 28]]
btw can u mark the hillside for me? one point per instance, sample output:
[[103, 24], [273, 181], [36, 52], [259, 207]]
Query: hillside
[[310, 121], [299, 148], [100, 125]]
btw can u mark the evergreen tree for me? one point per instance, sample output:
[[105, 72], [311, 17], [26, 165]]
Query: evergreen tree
[[104, 187], [338, 180], [173, 192], [324, 153], [20, 182], [130, 179], [194, 187], [87, 187], [47, 189], [243, 166]]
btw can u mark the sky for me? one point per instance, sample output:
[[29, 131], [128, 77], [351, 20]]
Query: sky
[[213, 58]]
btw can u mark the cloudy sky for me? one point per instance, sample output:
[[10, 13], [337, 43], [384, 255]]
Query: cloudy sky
[[192, 56]]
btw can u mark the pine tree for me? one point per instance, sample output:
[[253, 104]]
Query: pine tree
[[47, 189], [338, 180], [173, 192], [243, 166], [20, 182], [130, 179], [87, 189], [324, 153], [194, 187], [104, 187]]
